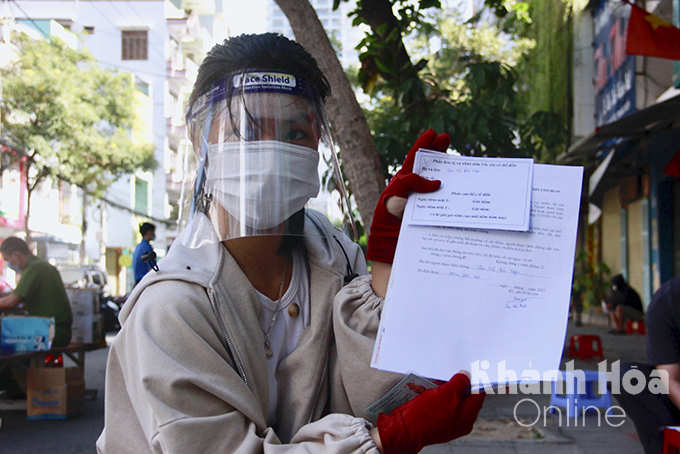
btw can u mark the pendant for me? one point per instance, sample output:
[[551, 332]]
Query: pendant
[[268, 349], [293, 310]]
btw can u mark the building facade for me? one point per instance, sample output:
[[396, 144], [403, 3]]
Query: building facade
[[160, 42], [627, 125]]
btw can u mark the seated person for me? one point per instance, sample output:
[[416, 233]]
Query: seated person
[[652, 412], [40, 289], [622, 303], [41, 292]]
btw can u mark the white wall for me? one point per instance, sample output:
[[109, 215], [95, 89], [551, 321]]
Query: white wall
[[583, 71], [108, 19]]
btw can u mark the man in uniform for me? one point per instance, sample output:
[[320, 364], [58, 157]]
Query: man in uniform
[[40, 289]]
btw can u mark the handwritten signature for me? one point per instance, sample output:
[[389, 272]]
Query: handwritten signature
[[518, 302]]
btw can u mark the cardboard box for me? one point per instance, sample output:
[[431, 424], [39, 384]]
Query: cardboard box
[[83, 300], [55, 393], [98, 333], [26, 334], [81, 328]]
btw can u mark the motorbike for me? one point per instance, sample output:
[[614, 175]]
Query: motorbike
[[110, 308]]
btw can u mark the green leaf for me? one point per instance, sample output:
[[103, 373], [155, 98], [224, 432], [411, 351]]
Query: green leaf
[[383, 67]]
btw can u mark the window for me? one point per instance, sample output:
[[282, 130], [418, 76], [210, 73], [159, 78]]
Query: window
[[89, 29], [143, 87], [65, 23], [141, 195], [135, 45]]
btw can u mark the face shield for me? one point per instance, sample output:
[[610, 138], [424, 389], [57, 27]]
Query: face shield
[[262, 154]]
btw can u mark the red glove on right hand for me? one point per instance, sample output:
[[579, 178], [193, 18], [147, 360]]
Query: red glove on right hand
[[436, 416], [382, 241]]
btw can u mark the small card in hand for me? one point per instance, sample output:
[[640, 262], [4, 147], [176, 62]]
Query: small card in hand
[[408, 388]]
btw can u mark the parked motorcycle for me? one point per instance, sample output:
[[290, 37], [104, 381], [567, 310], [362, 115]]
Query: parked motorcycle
[[110, 309]]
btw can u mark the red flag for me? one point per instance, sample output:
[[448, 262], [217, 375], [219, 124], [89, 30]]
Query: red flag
[[651, 35], [673, 166]]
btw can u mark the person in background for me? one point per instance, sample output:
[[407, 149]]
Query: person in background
[[622, 303], [40, 289], [650, 408], [41, 292], [139, 267], [268, 319]]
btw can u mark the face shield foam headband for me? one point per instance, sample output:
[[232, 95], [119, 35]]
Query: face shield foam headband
[[239, 101], [261, 147]]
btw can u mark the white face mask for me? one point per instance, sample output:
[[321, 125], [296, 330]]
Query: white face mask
[[262, 183]]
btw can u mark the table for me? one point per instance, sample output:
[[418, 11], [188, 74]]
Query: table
[[36, 359]]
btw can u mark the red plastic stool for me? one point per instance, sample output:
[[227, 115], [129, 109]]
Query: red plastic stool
[[585, 346], [52, 361], [635, 326], [671, 440]]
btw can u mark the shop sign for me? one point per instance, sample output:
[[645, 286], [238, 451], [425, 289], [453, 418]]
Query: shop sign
[[614, 69]]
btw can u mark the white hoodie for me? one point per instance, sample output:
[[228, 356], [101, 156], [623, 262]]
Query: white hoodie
[[187, 373]]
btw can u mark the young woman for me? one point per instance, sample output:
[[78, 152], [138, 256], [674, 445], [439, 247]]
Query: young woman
[[255, 334]]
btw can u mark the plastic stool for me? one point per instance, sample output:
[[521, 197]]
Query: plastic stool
[[585, 346], [574, 401], [52, 361], [635, 326], [671, 440]]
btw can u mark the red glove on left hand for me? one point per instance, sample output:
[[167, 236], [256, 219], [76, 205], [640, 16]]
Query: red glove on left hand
[[437, 415], [382, 241]]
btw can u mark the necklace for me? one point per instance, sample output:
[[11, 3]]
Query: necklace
[[267, 344]]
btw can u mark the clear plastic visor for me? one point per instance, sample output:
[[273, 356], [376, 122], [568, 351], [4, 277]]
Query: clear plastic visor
[[258, 160]]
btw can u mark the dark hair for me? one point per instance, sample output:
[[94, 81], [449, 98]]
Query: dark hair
[[619, 281], [145, 227], [267, 51], [14, 244]]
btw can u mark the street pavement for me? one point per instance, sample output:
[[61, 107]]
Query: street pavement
[[78, 435]]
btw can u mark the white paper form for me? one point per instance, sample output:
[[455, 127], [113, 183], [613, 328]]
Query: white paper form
[[486, 193], [488, 301]]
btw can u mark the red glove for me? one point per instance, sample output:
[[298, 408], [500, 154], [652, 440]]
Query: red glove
[[438, 415], [382, 241]]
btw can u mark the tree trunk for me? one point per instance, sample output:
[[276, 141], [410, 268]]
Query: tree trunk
[[350, 129], [27, 215]]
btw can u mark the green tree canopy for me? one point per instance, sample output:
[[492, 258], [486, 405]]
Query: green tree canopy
[[464, 82], [68, 118]]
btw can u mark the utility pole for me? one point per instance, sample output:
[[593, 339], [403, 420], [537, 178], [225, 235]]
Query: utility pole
[[103, 234], [83, 231]]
